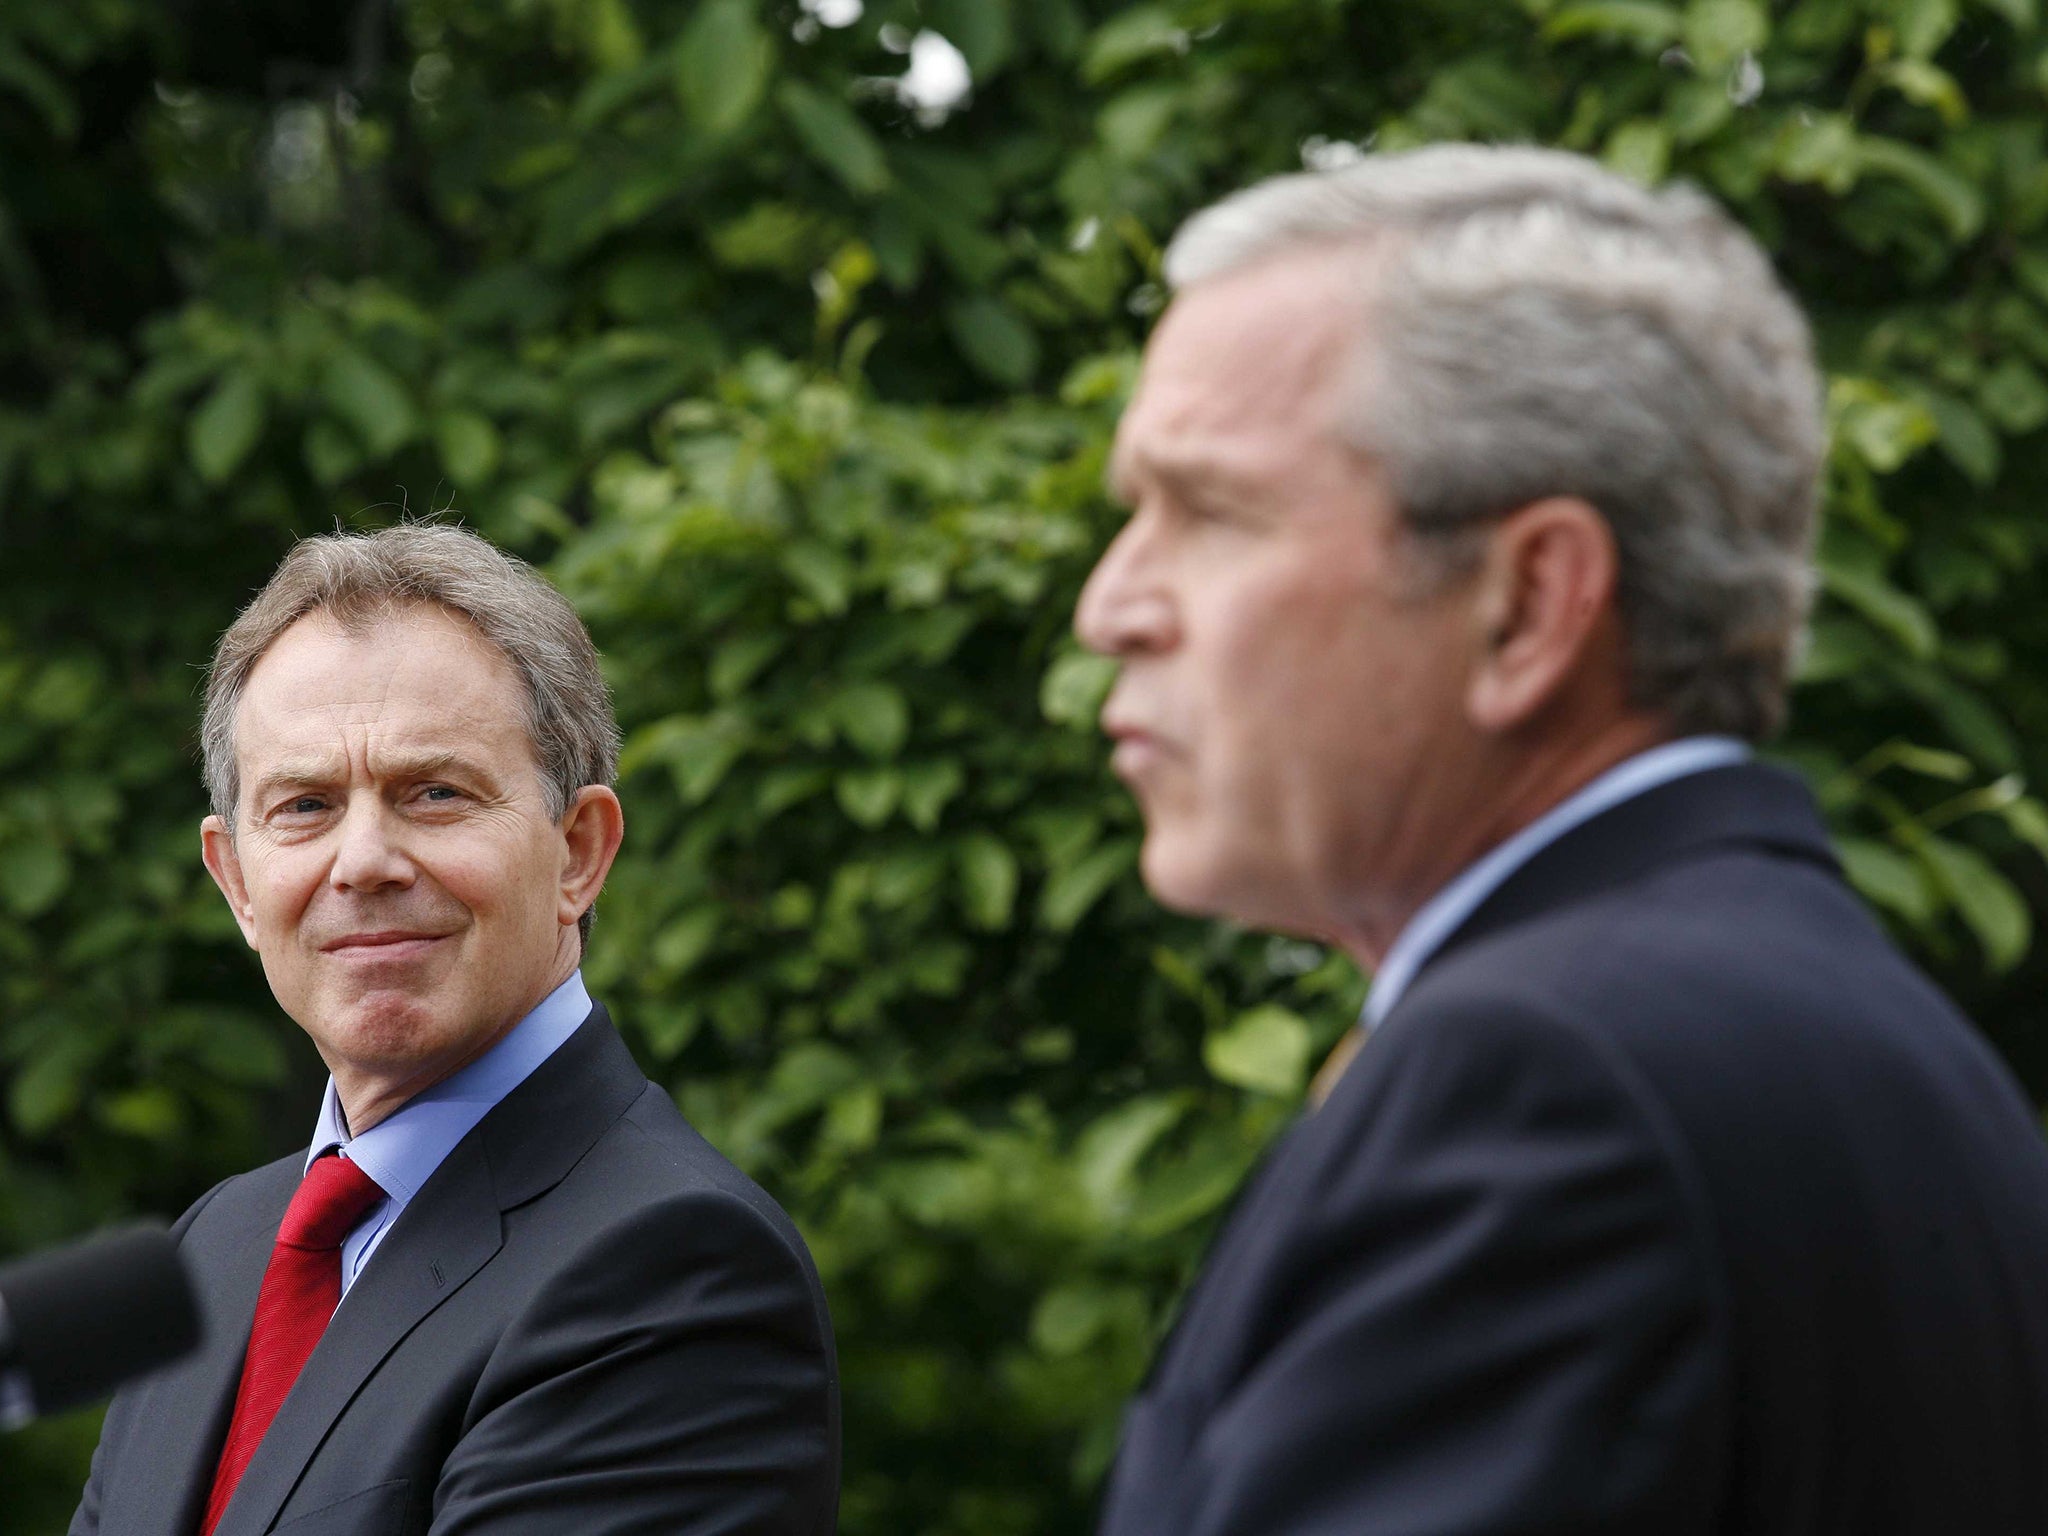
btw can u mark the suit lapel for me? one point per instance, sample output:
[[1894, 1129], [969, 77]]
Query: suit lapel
[[450, 1230], [180, 1417]]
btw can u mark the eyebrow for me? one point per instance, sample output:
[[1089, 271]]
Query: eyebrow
[[1188, 475], [403, 765]]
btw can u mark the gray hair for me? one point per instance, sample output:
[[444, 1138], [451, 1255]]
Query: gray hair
[[357, 579], [1541, 327]]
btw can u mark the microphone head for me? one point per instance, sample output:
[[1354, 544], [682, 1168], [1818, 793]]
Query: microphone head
[[88, 1317]]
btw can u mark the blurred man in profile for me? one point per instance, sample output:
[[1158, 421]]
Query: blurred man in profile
[[1472, 493], [506, 1289]]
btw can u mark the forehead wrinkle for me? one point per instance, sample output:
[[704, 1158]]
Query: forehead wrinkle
[[399, 763]]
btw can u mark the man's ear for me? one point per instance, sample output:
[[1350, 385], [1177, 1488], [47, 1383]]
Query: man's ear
[[592, 829], [217, 850], [1545, 608]]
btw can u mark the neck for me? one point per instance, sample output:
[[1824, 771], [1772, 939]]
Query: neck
[[371, 1094], [1500, 804]]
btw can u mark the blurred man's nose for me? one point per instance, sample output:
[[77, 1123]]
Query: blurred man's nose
[[1124, 608]]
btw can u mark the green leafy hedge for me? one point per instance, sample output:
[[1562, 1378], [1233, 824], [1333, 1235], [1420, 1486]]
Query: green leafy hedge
[[801, 388]]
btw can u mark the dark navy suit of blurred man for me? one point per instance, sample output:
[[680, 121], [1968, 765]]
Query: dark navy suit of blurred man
[[1472, 493]]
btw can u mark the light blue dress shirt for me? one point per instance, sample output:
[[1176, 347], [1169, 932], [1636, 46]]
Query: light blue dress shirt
[[402, 1152], [1443, 914]]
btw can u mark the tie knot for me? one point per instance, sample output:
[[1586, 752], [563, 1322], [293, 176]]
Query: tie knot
[[330, 1200]]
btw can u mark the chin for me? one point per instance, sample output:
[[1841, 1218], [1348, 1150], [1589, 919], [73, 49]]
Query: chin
[[1185, 876], [384, 1027]]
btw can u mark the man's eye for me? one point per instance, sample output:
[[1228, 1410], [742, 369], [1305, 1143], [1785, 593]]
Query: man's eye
[[440, 793], [305, 805]]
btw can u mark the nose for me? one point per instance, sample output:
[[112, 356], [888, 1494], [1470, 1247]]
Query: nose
[[369, 854], [1125, 608]]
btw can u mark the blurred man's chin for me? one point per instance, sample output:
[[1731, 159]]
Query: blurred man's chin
[[1186, 877]]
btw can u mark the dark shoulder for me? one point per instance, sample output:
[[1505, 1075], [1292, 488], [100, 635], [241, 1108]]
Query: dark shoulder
[[1734, 945], [652, 1169], [1754, 1000], [244, 1196]]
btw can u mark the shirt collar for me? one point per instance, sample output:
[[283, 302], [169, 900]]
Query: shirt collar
[[402, 1151], [1443, 914]]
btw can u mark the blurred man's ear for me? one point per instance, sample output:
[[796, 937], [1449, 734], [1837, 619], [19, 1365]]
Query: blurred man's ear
[[217, 850], [1544, 607]]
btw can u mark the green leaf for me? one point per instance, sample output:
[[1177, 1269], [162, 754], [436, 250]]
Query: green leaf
[[1132, 126], [928, 788], [1929, 762], [149, 1113], [371, 399], [983, 30], [1954, 199], [46, 1092], [1107, 1154], [2014, 397], [741, 659], [1697, 109], [1818, 147], [1068, 1318], [33, 874], [1639, 150], [852, 1120], [1186, 1189], [1922, 26], [1073, 890], [1986, 900], [1650, 27], [1265, 1049], [1902, 617], [1143, 32], [821, 573], [697, 751], [993, 338], [988, 880], [332, 455], [1888, 878], [723, 59], [835, 138], [809, 1075], [874, 716], [1718, 32], [469, 447], [1075, 686], [868, 795], [685, 941], [1925, 85], [1966, 439], [227, 424], [1884, 429], [2028, 820]]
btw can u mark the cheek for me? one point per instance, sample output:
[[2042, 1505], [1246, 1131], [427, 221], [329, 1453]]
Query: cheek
[[281, 888]]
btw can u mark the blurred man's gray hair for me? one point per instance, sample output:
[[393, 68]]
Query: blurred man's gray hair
[[1533, 326], [357, 579]]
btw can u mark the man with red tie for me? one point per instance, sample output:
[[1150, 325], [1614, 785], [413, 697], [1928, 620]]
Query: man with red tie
[[507, 1289]]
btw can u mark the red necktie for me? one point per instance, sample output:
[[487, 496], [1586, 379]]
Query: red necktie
[[301, 1289]]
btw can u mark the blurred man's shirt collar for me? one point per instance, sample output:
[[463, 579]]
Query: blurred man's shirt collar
[[1443, 913]]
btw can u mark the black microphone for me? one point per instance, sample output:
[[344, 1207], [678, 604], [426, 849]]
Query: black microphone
[[76, 1323]]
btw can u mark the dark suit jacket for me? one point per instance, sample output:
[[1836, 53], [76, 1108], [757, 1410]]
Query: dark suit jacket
[[1669, 1200], [586, 1322]]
